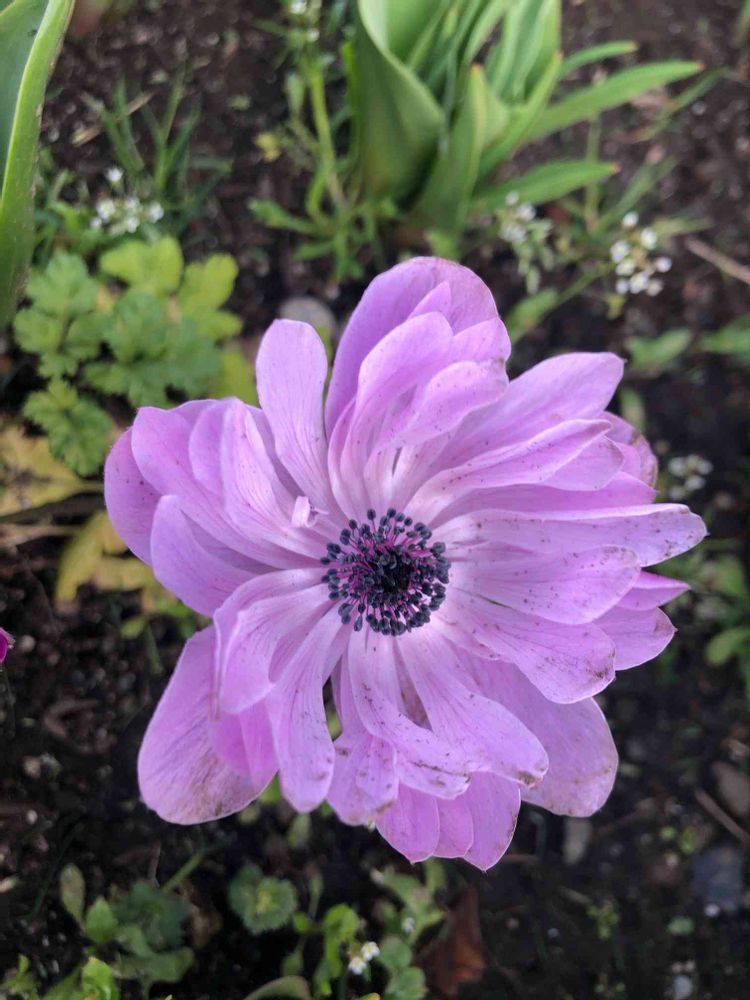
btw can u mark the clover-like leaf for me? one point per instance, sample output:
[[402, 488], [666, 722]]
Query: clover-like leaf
[[78, 430], [262, 903], [205, 288]]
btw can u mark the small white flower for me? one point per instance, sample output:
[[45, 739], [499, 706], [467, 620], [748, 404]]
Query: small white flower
[[313, 35], [625, 267], [298, 6], [693, 483], [526, 212], [106, 209], [654, 287], [114, 175], [677, 493], [703, 466], [154, 212], [96, 223], [512, 198], [677, 466], [357, 965], [369, 951], [408, 924], [649, 239], [513, 232], [622, 286], [619, 251], [630, 219], [131, 224], [663, 264], [638, 283], [132, 204]]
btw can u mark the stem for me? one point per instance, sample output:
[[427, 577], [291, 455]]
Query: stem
[[591, 194], [322, 123]]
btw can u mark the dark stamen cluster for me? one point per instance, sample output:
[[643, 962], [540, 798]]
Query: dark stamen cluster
[[385, 573]]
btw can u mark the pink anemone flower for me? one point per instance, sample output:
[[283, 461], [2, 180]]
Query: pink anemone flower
[[460, 556], [6, 643]]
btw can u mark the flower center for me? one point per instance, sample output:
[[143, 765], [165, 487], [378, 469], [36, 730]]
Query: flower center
[[386, 574]]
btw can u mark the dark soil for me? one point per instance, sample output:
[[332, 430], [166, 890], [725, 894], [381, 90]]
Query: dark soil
[[81, 695]]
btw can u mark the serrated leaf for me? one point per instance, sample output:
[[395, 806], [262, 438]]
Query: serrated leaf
[[98, 981], [100, 924], [78, 430], [157, 914], [652, 355], [207, 285], [164, 967], [73, 892], [155, 268], [408, 984], [30, 476], [64, 288], [263, 904], [83, 553]]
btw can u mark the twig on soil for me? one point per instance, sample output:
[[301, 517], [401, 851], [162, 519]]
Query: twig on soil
[[714, 809], [83, 135], [720, 260]]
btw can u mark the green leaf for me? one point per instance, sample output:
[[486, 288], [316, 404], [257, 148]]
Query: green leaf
[[395, 954], [101, 924], [595, 53], [164, 967], [73, 892], [732, 340], [287, 988], [82, 555], [64, 288], [408, 984], [98, 981], [530, 312], [31, 32], [443, 203], [263, 904], [619, 88], [159, 915], [398, 120], [727, 644], [68, 988], [545, 183], [207, 286], [155, 268], [78, 430], [653, 355], [62, 347]]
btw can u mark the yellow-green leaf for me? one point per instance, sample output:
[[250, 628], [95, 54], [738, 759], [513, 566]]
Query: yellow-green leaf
[[30, 476]]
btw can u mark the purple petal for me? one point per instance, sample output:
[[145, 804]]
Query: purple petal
[[412, 825], [456, 827], [390, 300], [638, 636], [180, 775], [651, 590], [364, 778], [181, 564], [582, 755], [245, 743], [574, 588], [494, 805], [130, 500], [291, 370], [6, 642]]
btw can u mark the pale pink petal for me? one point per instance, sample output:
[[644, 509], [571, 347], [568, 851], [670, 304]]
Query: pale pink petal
[[638, 636], [640, 461], [130, 500], [364, 777], [574, 588], [582, 755], [181, 564], [411, 825], [180, 775], [494, 805], [456, 827], [291, 370]]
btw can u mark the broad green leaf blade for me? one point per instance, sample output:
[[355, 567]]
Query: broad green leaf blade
[[588, 102], [399, 120], [288, 988], [31, 32], [546, 183], [445, 198], [595, 53]]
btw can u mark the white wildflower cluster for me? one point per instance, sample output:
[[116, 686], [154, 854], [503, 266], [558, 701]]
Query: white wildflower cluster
[[690, 474], [359, 962], [119, 213], [528, 236], [637, 266]]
